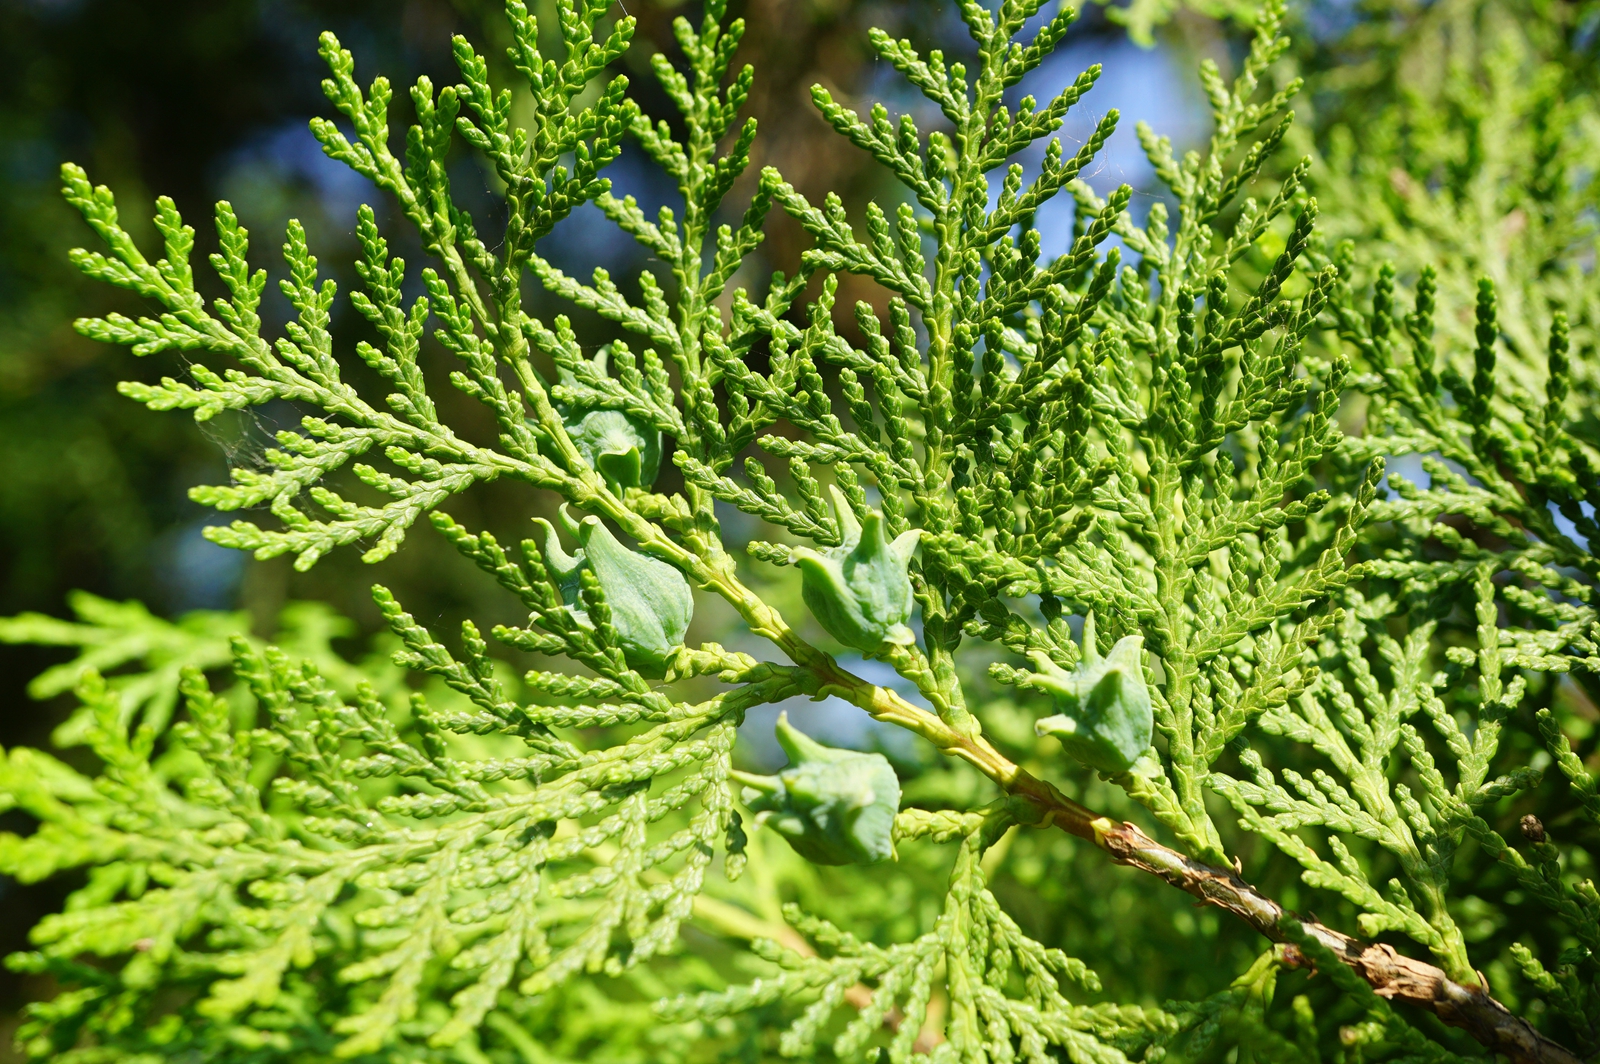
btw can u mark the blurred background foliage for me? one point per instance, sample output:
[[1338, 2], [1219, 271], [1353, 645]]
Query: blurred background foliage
[[209, 99]]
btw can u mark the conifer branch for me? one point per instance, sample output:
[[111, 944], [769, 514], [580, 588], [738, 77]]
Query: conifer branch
[[1022, 436]]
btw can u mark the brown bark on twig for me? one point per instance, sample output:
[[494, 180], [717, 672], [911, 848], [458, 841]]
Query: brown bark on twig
[[1391, 975]]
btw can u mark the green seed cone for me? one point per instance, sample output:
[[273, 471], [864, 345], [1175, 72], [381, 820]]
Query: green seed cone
[[833, 806], [623, 449], [1104, 717], [620, 447], [860, 591], [651, 602]]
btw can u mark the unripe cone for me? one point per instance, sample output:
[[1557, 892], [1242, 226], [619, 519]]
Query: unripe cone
[[834, 806], [1104, 716], [860, 591], [622, 448], [651, 603]]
